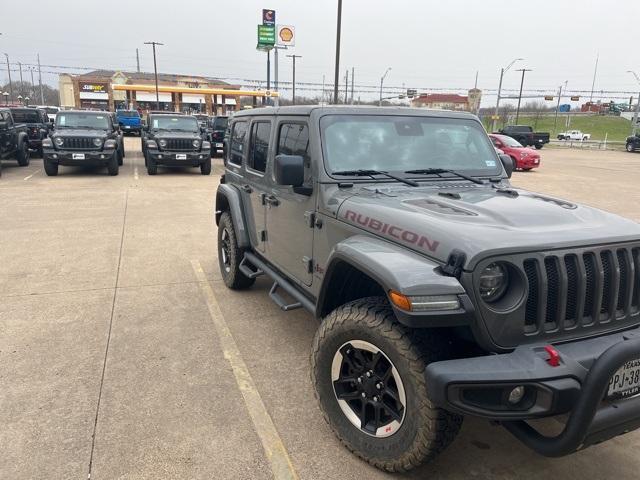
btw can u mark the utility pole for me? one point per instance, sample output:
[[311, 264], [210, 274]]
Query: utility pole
[[353, 75], [523, 70], [346, 87], [555, 121], [381, 82], [138, 60], [21, 82], [502, 72], [268, 69], [9, 73], [40, 82], [323, 92], [275, 68], [595, 71], [33, 86], [337, 69], [155, 70], [294, 75]]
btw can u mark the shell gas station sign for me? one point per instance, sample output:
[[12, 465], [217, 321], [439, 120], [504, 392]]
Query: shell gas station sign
[[285, 36]]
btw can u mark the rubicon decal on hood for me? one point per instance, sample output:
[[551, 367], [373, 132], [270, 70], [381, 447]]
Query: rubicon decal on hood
[[390, 230]]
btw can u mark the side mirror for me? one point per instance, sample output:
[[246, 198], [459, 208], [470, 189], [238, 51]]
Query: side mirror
[[289, 170], [507, 163]]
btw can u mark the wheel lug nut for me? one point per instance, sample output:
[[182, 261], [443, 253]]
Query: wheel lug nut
[[368, 374], [359, 379], [364, 395], [379, 386], [375, 399]]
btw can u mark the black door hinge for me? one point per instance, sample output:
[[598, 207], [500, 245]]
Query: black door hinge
[[310, 218], [263, 235], [309, 263]]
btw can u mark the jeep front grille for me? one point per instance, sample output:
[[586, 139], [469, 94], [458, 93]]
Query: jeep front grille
[[568, 294], [581, 290], [179, 145], [79, 143]]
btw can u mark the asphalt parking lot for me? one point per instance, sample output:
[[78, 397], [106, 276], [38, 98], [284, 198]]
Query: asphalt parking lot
[[123, 355]]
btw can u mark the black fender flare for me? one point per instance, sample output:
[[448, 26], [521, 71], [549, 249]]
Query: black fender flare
[[229, 198]]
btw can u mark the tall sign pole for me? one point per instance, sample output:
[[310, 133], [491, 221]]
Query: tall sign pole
[[9, 73], [155, 70], [523, 70], [336, 80], [40, 82], [294, 75]]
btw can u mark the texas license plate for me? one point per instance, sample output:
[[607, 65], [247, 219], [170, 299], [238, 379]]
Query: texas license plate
[[626, 381], [77, 156], [218, 145], [181, 156]]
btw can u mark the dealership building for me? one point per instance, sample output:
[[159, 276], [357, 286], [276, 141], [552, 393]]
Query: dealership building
[[110, 90]]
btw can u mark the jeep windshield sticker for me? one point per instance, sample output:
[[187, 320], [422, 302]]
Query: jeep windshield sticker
[[490, 163], [393, 231]]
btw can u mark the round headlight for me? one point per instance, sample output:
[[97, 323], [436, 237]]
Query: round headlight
[[493, 282], [58, 141], [162, 143], [196, 143], [97, 142]]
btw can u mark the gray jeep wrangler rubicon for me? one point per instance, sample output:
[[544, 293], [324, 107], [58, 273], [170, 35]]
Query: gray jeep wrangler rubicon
[[442, 290]]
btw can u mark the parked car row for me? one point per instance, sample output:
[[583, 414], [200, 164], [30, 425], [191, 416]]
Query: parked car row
[[523, 158], [96, 138]]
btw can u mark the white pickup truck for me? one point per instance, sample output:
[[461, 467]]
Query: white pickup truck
[[574, 135]]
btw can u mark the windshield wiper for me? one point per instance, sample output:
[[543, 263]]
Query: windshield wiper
[[437, 171], [371, 173]]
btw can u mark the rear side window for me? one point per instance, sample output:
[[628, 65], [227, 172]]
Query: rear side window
[[236, 149], [260, 133], [293, 139]]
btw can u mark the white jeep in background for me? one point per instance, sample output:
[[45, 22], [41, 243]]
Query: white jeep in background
[[574, 135]]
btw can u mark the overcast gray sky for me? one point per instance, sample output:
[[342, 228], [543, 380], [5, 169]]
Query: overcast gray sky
[[428, 43]]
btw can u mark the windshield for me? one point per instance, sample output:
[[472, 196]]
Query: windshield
[[98, 121], [401, 143], [220, 123], [128, 113], [510, 142], [169, 122], [26, 116]]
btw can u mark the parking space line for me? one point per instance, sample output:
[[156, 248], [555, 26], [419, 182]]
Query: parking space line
[[274, 449], [135, 172], [29, 176]]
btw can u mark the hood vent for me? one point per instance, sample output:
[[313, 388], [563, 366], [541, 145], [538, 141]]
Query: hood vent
[[555, 201], [439, 207]]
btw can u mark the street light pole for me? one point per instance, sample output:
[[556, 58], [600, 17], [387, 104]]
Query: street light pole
[[21, 82], [294, 75], [155, 70], [502, 72], [637, 112], [9, 73], [337, 71], [523, 70], [381, 82]]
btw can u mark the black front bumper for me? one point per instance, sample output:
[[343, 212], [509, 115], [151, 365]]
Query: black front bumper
[[179, 159], [577, 386], [63, 157], [35, 143]]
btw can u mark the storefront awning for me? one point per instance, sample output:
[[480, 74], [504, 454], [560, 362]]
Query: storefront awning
[[94, 95], [151, 97]]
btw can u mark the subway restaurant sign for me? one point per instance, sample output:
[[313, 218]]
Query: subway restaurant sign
[[93, 87], [266, 35]]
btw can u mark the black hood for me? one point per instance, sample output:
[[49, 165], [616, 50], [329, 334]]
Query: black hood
[[79, 132]]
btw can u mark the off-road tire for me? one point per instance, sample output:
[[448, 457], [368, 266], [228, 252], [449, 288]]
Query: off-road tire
[[152, 166], [205, 167], [426, 430], [22, 155], [526, 169], [231, 274], [50, 168], [113, 165], [539, 146], [630, 147], [120, 158]]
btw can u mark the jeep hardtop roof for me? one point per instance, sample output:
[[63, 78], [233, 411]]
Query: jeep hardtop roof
[[351, 110]]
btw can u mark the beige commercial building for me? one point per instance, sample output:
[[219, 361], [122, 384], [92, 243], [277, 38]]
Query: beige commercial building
[[110, 90], [449, 101]]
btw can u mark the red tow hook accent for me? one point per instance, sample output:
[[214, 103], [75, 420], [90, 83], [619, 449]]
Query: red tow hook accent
[[554, 356]]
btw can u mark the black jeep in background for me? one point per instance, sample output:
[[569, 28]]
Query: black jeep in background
[[37, 123], [175, 140], [633, 143], [526, 136], [82, 138], [14, 141], [218, 128]]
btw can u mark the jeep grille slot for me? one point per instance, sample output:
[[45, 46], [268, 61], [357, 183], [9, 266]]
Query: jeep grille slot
[[576, 293], [79, 143], [179, 145]]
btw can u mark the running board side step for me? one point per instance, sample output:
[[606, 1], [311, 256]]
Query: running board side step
[[279, 282], [247, 271]]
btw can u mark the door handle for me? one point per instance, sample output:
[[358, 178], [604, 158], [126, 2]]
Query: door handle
[[246, 188], [271, 200]]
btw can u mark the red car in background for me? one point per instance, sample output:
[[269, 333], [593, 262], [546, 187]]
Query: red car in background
[[523, 158]]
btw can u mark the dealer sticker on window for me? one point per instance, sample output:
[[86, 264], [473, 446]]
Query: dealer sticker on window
[[490, 163]]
